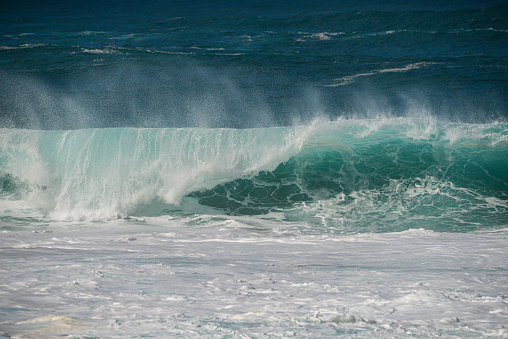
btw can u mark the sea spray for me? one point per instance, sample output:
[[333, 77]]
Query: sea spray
[[100, 173]]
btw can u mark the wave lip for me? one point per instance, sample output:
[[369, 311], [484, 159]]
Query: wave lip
[[100, 173]]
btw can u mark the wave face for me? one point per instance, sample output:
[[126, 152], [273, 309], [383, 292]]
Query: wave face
[[349, 175]]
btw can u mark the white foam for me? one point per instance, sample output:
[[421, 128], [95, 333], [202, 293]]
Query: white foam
[[496, 202], [23, 46], [100, 51], [321, 36], [207, 281], [351, 78]]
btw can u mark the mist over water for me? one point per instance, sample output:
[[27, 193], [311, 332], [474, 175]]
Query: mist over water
[[174, 65], [189, 94]]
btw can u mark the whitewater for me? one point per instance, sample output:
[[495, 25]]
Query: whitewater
[[231, 279], [389, 227]]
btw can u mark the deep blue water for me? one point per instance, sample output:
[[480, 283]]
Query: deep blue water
[[242, 64]]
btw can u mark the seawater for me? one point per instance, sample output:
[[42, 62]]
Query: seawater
[[267, 169], [365, 175], [164, 64]]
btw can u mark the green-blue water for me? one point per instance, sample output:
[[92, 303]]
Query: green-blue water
[[346, 176]]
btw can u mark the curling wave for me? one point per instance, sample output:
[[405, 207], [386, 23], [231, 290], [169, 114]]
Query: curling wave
[[378, 174]]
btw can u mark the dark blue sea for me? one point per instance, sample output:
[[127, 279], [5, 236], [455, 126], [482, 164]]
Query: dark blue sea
[[342, 137]]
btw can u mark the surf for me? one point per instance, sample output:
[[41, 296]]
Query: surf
[[395, 173]]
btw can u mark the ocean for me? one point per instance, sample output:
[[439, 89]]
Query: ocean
[[254, 169]]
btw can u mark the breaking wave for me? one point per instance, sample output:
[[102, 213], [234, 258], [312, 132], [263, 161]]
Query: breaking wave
[[373, 174]]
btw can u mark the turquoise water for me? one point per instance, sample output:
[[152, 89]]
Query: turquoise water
[[378, 175]]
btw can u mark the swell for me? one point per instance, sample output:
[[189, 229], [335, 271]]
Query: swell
[[393, 173]]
